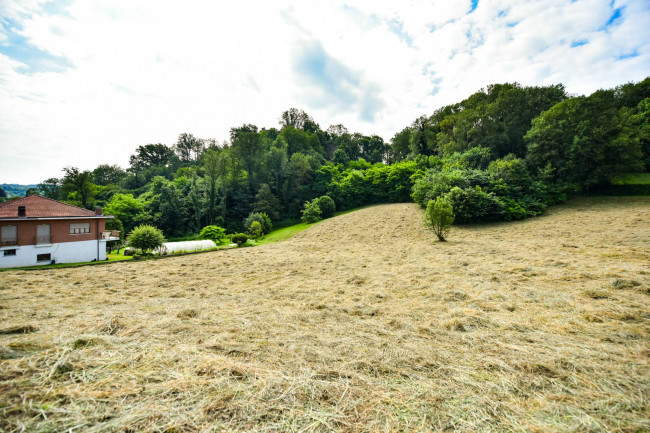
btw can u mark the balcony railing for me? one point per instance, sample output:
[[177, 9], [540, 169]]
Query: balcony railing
[[111, 235], [8, 242], [43, 240]]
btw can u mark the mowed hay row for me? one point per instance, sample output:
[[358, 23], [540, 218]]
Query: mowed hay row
[[362, 323]]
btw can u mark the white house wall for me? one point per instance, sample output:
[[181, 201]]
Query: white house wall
[[66, 252]]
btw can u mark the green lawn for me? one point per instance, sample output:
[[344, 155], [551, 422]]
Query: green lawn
[[632, 179], [283, 234]]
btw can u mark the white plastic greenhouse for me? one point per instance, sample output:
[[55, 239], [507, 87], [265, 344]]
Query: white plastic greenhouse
[[185, 246]]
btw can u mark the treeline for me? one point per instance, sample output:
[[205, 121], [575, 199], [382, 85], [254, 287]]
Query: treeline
[[506, 152]]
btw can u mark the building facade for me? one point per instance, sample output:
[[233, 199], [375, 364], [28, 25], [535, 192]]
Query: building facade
[[36, 230]]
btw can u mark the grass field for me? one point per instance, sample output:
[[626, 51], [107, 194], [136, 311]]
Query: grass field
[[361, 323]]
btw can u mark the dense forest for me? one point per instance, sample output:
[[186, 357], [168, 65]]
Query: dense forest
[[504, 153]]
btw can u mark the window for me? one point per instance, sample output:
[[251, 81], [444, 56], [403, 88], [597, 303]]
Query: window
[[43, 257], [10, 252], [79, 228], [9, 235]]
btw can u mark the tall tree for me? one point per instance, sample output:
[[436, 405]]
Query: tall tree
[[247, 145], [151, 155], [106, 174], [189, 148], [51, 188], [299, 120], [78, 184]]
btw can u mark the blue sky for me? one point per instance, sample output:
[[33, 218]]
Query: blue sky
[[86, 82]]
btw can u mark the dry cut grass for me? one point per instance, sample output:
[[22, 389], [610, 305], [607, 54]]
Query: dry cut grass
[[361, 323]]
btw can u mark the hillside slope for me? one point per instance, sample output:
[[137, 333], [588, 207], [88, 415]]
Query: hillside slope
[[362, 323]]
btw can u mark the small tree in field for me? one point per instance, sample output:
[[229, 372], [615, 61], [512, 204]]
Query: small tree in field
[[439, 217], [213, 233], [145, 238]]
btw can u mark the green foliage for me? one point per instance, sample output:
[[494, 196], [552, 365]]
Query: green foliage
[[505, 152], [327, 206], [126, 208], [474, 204], [255, 229], [439, 216], [79, 187], [262, 218], [145, 238], [312, 212], [213, 233], [267, 202], [239, 239]]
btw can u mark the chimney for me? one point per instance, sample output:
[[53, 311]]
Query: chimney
[[21, 211], [98, 210]]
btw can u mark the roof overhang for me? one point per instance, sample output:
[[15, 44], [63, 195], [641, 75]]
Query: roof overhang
[[57, 218]]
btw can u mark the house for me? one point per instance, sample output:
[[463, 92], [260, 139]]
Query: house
[[35, 230]]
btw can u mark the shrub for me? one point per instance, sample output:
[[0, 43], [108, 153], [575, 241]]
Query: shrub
[[239, 239], [145, 238], [213, 233], [255, 229], [327, 206], [260, 217], [439, 217], [311, 213], [473, 204]]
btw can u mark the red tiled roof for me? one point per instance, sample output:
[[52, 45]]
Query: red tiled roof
[[41, 207]]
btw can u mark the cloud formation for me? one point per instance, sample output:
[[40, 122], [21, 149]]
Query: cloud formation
[[86, 82]]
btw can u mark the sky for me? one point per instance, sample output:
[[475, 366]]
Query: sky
[[85, 82]]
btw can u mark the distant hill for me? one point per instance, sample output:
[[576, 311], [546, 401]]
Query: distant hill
[[13, 189]]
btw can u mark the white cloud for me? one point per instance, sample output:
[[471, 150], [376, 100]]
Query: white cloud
[[145, 71]]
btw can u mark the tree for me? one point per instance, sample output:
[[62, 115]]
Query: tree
[[327, 206], [32, 191], [50, 188], [267, 202], [79, 183], [106, 174], [262, 218], [213, 233], [145, 238], [439, 216], [151, 155], [311, 213], [255, 229], [215, 165], [189, 148], [299, 120], [125, 208], [247, 145]]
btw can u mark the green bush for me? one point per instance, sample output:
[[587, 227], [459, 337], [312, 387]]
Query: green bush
[[439, 217], [473, 204], [311, 213], [255, 229], [239, 239], [145, 238], [327, 206], [260, 217], [213, 233]]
